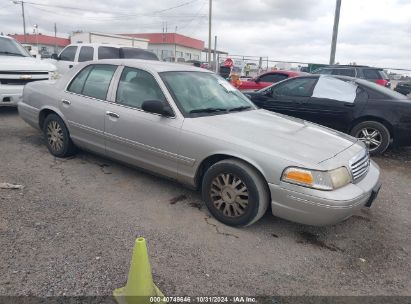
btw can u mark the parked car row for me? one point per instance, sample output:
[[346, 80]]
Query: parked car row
[[376, 75], [403, 88], [265, 79], [191, 125], [17, 68], [375, 115]]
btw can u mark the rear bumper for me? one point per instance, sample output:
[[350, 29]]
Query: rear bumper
[[320, 208], [10, 95], [29, 114]]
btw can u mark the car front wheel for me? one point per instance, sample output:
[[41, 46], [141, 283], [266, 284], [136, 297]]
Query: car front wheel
[[374, 135], [235, 193], [57, 137]]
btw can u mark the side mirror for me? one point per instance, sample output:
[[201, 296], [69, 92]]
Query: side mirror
[[157, 107], [257, 79], [54, 56]]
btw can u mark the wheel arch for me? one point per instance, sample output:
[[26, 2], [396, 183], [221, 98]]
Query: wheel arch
[[44, 112], [214, 158], [383, 121]]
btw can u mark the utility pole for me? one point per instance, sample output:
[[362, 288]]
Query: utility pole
[[55, 38], [215, 55], [24, 18], [335, 31], [175, 45], [209, 31]]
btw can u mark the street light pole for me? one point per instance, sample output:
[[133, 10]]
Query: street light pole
[[209, 31], [335, 31], [24, 18]]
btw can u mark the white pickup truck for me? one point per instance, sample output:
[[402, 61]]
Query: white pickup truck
[[80, 52], [18, 67]]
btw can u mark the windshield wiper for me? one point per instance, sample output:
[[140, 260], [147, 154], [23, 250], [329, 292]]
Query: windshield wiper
[[239, 108], [11, 53], [208, 110]]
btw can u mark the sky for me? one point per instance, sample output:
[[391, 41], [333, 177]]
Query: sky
[[371, 32]]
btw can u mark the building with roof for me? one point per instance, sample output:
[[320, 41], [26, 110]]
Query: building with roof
[[42, 44], [168, 46], [104, 38]]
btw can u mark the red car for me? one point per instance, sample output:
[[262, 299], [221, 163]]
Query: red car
[[266, 79]]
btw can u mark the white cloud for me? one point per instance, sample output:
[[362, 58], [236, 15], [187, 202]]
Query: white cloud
[[374, 32]]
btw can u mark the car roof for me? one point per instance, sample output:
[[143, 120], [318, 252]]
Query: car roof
[[153, 65], [8, 37], [288, 72], [342, 66]]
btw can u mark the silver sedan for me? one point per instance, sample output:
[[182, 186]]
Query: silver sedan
[[190, 125]]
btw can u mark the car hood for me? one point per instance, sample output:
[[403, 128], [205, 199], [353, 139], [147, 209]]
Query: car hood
[[24, 64], [274, 134]]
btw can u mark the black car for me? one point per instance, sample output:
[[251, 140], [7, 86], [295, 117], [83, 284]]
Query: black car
[[376, 75], [376, 115], [403, 88]]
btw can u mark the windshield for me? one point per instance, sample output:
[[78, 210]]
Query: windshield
[[199, 93], [10, 47]]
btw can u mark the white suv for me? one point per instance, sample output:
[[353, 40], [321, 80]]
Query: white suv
[[18, 67], [80, 52]]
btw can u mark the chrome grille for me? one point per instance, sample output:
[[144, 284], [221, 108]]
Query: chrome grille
[[359, 165]]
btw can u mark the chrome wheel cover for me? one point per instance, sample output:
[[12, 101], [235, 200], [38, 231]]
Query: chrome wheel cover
[[371, 137], [229, 195], [55, 136]]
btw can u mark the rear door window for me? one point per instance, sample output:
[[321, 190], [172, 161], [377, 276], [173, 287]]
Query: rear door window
[[93, 81], [69, 53], [86, 53], [76, 86], [335, 89], [107, 52]]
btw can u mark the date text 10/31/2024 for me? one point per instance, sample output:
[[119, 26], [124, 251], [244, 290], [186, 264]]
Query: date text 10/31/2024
[[203, 299]]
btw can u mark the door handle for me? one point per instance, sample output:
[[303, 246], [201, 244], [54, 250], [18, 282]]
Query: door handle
[[66, 102], [112, 114], [70, 66], [349, 104]]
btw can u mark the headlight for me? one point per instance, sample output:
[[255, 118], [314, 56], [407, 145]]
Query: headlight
[[54, 75], [322, 180]]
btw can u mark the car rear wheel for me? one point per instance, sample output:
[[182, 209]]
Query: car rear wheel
[[235, 193], [57, 137], [374, 135]]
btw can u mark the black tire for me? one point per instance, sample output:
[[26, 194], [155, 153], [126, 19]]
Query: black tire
[[383, 136], [57, 137], [235, 171]]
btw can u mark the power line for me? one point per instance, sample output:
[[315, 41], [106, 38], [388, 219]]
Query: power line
[[120, 15]]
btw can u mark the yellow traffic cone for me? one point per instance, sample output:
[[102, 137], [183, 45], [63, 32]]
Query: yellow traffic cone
[[140, 286]]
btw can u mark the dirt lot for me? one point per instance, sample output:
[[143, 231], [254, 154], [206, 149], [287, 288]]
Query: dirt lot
[[71, 229]]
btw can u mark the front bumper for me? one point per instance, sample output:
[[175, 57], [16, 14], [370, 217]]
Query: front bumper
[[10, 95], [320, 208]]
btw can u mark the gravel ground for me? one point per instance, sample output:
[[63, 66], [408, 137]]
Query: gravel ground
[[70, 231]]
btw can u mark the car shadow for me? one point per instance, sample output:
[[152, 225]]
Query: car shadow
[[8, 111]]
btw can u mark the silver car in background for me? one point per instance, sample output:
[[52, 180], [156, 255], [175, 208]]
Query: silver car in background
[[191, 125]]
